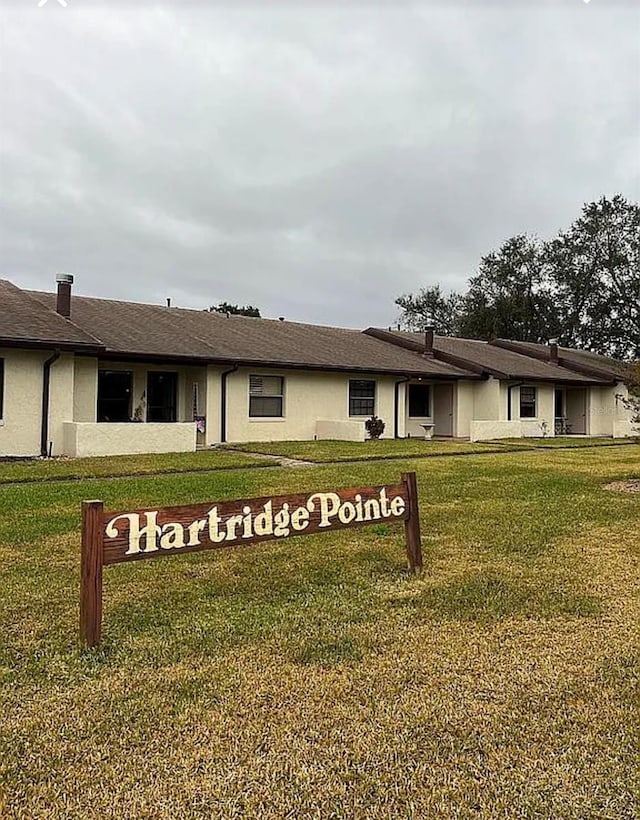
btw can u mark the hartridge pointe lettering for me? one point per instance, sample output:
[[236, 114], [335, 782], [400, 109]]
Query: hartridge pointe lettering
[[138, 535], [145, 532]]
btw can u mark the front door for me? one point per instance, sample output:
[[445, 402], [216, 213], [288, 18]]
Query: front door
[[576, 411], [443, 409]]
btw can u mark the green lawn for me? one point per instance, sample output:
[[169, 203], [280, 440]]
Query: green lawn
[[563, 441], [315, 677], [332, 451], [60, 468]]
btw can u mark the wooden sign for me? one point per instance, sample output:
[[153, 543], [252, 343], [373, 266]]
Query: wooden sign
[[114, 537]]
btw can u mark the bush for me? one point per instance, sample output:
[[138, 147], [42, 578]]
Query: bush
[[374, 427]]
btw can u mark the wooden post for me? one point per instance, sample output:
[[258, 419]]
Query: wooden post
[[91, 572], [412, 524]]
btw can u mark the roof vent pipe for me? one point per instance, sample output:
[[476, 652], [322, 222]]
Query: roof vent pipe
[[63, 303], [554, 356], [429, 334]]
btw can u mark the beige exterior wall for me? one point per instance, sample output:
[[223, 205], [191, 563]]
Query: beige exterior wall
[[544, 421], [85, 389], [20, 423], [20, 426], [60, 401], [464, 405], [309, 397], [607, 413], [111, 439], [488, 400]]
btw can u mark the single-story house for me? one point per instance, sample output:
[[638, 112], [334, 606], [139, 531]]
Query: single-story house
[[82, 376]]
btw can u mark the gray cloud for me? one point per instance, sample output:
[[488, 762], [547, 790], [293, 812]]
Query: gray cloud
[[315, 160]]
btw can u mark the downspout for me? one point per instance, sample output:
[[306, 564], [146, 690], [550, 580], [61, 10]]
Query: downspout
[[223, 402], [396, 396], [509, 389], [46, 386]]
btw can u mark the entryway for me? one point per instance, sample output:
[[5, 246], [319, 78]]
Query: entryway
[[443, 409]]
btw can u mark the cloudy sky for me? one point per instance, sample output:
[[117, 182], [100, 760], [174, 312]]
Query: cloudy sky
[[316, 160]]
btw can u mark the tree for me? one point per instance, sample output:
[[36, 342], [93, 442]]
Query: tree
[[632, 403], [509, 296], [235, 310], [583, 288], [431, 307], [596, 278]]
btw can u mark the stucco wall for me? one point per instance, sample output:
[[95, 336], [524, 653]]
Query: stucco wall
[[544, 411], [607, 413], [488, 430], [85, 389], [464, 404], [308, 396], [20, 423], [81, 440], [60, 401], [487, 400], [340, 430]]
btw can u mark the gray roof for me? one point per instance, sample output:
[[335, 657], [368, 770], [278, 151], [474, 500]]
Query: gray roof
[[155, 331], [25, 320], [489, 358], [582, 360]]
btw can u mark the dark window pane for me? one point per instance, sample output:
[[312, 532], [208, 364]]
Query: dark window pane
[[527, 402], [162, 392], [114, 395], [362, 397], [419, 401], [270, 406]]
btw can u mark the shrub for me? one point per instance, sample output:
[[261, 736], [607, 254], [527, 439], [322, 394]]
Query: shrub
[[374, 427]]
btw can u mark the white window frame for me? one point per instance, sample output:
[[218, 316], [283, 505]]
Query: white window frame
[[535, 402], [280, 396]]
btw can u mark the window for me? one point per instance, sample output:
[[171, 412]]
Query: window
[[162, 391], [527, 402], [266, 396], [362, 398], [1, 387], [419, 401], [114, 395]]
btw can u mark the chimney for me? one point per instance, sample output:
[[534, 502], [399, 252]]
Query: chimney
[[63, 303], [429, 334], [554, 357]]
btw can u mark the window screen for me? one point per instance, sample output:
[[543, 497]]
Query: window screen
[[362, 398], [266, 395]]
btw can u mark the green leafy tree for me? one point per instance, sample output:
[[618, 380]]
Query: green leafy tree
[[235, 310], [431, 307], [509, 297], [583, 288], [595, 269]]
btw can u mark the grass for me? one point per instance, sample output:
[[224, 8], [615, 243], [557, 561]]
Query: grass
[[563, 441], [113, 466], [314, 677], [334, 451]]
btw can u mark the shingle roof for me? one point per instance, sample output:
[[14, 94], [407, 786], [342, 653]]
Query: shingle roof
[[489, 358], [161, 332], [570, 357], [25, 320]]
